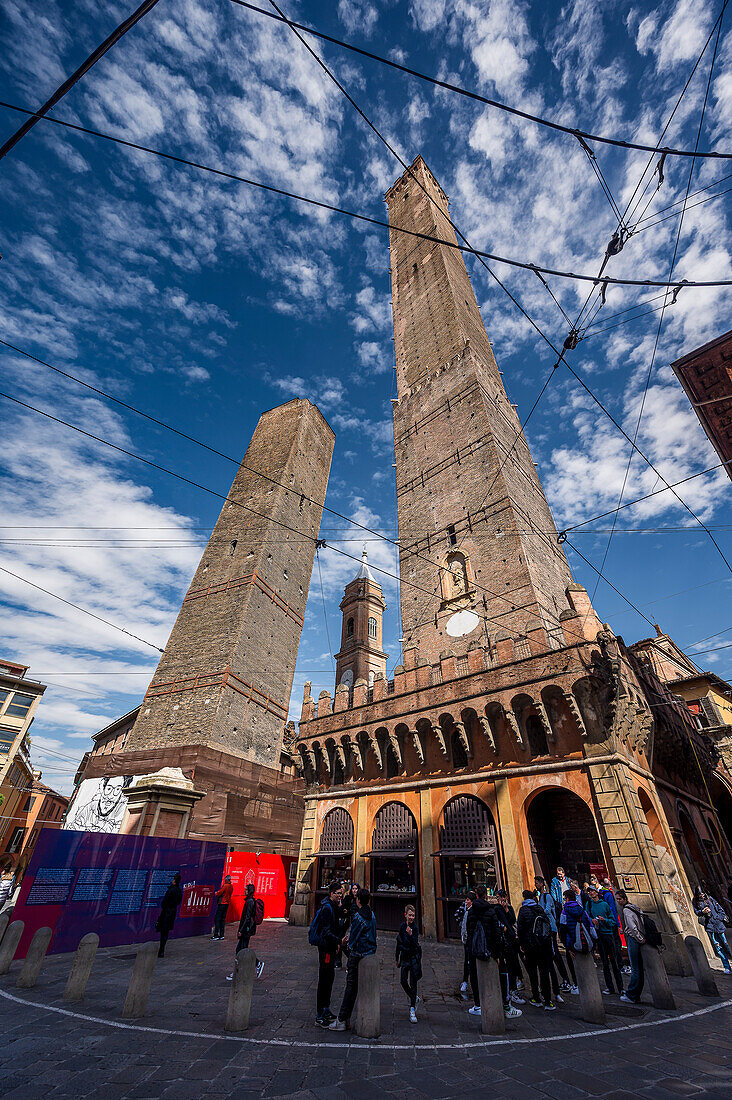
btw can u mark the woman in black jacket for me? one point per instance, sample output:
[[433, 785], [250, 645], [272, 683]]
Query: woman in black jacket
[[166, 920], [409, 958]]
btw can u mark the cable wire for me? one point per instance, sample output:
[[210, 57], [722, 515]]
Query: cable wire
[[478, 253], [450, 87]]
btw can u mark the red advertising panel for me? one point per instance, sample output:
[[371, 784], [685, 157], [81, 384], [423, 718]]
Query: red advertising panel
[[270, 876]]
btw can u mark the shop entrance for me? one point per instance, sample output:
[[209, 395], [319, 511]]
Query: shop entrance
[[468, 855], [394, 871], [335, 853], [562, 833]]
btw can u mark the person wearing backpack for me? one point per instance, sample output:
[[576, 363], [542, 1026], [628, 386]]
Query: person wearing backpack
[[713, 920], [535, 936], [634, 931], [252, 915], [578, 931], [485, 940], [601, 916], [325, 934], [548, 903], [361, 942]]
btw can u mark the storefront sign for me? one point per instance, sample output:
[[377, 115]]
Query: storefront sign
[[268, 874], [79, 882]]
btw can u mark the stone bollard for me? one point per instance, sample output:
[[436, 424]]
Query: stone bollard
[[81, 969], [367, 1020], [242, 984], [34, 959], [141, 980], [656, 977], [492, 1019], [701, 969], [592, 1008], [4, 922], [11, 939]]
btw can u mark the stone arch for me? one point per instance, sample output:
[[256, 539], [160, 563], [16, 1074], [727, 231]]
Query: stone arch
[[337, 832], [530, 724], [562, 833], [394, 828], [652, 818]]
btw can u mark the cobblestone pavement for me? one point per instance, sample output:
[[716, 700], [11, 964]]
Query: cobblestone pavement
[[179, 1049]]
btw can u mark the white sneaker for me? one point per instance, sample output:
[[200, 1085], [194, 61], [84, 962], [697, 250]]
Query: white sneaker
[[260, 969], [464, 987], [474, 1011], [511, 1013], [559, 1000], [609, 992], [337, 1025], [516, 1000], [413, 1015], [575, 990], [627, 970], [626, 999], [230, 977], [565, 987]]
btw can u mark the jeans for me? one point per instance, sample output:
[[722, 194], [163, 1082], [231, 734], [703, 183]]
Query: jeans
[[609, 960], [220, 920], [559, 963], [409, 985], [721, 947], [326, 974], [635, 987], [502, 977], [617, 944], [351, 991], [466, 964], [539, 959]]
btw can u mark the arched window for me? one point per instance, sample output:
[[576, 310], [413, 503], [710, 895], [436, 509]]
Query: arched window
[[372, 627], [537, 736], [349, 628]]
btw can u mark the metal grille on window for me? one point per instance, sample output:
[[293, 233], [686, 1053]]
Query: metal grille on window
[[394, 829], [468, 826], [337, 834]]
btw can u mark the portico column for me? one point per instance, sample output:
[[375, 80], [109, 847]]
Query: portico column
[[427, 868], [514, 879]]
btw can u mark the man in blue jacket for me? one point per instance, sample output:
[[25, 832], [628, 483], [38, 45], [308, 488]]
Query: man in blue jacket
[[361, 942]]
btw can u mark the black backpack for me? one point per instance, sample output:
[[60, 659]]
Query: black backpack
[[650, 930], [540, 934], [479, 943]]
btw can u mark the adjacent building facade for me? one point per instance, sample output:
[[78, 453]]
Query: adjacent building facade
[[706, 375], [518, 733], [19, 699]]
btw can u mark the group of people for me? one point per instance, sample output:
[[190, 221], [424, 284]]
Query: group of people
[[580, 919]]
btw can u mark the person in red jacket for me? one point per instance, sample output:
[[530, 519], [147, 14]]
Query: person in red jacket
[[223, 897]]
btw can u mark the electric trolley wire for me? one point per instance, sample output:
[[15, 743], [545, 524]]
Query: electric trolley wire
[[617, 590], [451, 87], [652, 361], [478, 253]]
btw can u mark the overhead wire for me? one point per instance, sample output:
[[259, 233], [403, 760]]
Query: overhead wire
[[573, 131], [480, 254]]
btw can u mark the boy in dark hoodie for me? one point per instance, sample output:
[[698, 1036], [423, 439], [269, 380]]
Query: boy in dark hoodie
[[361, 942], [409, 958]]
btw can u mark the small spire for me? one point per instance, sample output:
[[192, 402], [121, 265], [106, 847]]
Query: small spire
[[364, 572]]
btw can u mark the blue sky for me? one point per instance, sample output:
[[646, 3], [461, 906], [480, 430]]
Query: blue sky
[[205, 302]]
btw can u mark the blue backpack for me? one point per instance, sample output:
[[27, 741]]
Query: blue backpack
[[317, 925]]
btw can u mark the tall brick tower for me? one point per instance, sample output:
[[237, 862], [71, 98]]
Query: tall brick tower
[[226, 674], [468, 493]]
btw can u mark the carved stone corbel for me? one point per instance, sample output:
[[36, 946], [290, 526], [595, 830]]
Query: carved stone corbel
[[357, 756], [575, 712], [373, 741], [514, 726], [341, 756], [326, 759], [463, 738], [488, 733], [440, 738], [394, 742], [544, 719], [418, 747]]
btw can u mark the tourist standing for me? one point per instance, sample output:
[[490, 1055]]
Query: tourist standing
[[601, 916], [632, 919], [409, 958], [557, 887], [361, 942], [253, 908], [461, 916], [511, 952], [484, 914], [172, 899], [223, 897], [535, 936], [713, 919], [578, 931], [548, 903], [608, 894], [326, 933]]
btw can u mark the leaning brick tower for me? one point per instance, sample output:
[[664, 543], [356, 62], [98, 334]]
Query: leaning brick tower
[[225, 677], [468, 494]]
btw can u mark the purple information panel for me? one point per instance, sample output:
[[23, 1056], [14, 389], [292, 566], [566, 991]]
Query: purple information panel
[[113, 885]]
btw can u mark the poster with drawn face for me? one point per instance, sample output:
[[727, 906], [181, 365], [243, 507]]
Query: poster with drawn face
[[99, 804]]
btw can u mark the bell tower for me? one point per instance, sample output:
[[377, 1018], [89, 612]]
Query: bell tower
[[361, 655]]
